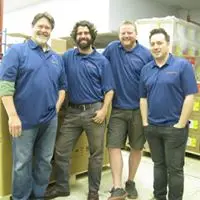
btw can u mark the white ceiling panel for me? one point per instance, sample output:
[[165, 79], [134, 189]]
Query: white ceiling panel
[[182, 4], [11, 5]]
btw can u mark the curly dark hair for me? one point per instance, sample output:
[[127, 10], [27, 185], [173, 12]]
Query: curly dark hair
[[45, 15], [159, 30], [91, 27]]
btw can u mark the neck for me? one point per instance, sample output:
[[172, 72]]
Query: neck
[[44, 46], [86, 51], [161, 61], [129, 48]]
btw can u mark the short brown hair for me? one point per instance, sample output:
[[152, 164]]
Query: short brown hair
[[127, 22], [158, 31], [45, 15], [91, 27]]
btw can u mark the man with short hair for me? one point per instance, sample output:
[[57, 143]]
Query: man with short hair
[[32, 89], [127, 58], [90, 92], [167, 89]]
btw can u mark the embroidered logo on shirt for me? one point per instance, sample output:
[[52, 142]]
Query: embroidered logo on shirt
[[171, 72], [54, 60]]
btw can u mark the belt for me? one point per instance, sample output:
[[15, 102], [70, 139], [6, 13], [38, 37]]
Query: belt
[[82, 107]]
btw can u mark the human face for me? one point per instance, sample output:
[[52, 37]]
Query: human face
[[159, 46], [127, 36], [42, 31], [83, 38]]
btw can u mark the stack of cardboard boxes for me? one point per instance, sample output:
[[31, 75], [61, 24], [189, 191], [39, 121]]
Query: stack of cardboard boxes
[[5, 154]]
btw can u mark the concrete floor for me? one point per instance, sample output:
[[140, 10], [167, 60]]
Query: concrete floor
[[144, 180]]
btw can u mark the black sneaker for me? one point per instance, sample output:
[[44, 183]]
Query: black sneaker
[[53, 192], [117, 194], [131, 190]]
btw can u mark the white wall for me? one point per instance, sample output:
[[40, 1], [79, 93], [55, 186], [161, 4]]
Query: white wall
[[120, 10], [65, 12]]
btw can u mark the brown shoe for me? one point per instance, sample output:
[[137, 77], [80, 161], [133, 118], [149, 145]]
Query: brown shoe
[[93, 196]]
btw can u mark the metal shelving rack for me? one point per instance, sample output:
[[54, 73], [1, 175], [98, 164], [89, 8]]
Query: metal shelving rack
[[3, 44]]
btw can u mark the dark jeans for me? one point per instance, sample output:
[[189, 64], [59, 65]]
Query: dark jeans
[[75, 122], [32, 178], [167, 146]]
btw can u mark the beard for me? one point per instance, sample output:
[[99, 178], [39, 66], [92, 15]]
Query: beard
[[41, 39], [85, 45]]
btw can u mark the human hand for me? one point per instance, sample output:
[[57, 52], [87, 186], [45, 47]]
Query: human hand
[[100, 116], [15, 126], [179, 125]]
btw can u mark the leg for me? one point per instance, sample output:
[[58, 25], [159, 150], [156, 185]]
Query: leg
[[68, 135], [175, 144], [156, 145], [95, 134], [44, 148], [116, 138], [136, 141], [22, 150]]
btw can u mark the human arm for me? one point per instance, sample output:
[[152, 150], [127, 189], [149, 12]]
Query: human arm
[[144, 111], [61, 98], [189, 88], [186, 111], [14, 122], [101, 113], [8, 74]]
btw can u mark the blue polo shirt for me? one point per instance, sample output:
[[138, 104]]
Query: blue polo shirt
[[126, 67], [89, 76], [165, 89], [38, 77]]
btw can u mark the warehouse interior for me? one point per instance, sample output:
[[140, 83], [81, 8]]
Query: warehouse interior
[[180, 17]]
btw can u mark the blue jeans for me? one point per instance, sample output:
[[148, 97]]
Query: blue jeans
[[32, 153], [167, 146]]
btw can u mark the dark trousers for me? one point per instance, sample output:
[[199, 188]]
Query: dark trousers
[[75, 122], [167, 146]]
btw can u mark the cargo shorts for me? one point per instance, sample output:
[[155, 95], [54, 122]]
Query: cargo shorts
[[125, 124]]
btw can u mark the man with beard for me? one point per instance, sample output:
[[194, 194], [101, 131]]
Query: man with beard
[[90, 91], [32, 89], [127, 58]]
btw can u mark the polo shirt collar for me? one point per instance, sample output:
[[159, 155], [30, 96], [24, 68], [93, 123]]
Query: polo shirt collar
[[77, 52], [33, 45], [133, 49], [168, 62]]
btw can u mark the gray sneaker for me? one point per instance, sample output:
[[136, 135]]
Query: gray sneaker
[[117, 194], [131, 190]]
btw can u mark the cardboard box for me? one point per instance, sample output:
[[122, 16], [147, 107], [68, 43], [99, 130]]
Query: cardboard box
[[61, 45], [194, 126], [4, 132], [5, 168], [193, 143]]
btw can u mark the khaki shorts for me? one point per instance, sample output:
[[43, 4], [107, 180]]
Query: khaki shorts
[[125, 124]]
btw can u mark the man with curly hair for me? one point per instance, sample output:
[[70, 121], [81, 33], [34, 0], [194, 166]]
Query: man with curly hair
[[90, 93]]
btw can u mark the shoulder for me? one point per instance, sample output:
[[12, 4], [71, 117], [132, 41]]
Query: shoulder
[[144, 49], [182, 63], [69, 52], [147, 67], [113, 44]]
